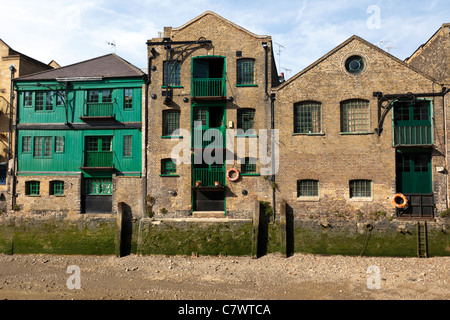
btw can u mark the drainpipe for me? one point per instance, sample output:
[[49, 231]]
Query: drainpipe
[[272, 116], [11, 97], [145, 139], [14, 156]]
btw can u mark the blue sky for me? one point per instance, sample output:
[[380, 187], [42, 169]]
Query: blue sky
[[70, 31]]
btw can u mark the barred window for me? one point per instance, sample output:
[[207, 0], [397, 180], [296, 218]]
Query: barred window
[[245, 71], [307, 188], [128, 99], [172, 73], [42, 147], [26, 144], [98, 187], [39, 103], [246, 119], [249, 166], [355, 116], [168, 167], [59, 144], [307, 117], [360, 188], [57, 188], [171, 122], [127, 146], [32, 188]]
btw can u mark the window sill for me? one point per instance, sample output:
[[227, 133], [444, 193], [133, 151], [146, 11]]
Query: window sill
[[246, 85], [171, 137], [33, 195], [173, 87], [361, 199], [250, 174], [308, 134], [355, 133], [308, 199], [246, 136], [169, 175]]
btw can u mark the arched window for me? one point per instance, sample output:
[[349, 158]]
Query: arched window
[[355, 116], [308, 117]]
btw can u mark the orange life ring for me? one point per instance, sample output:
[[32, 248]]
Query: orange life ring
[[400, 205], [236, 172]]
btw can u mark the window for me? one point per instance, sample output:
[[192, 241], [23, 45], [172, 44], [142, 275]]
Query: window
[[246, 119], [57, 188], [127, 146], [42, 147], [355, 65], [168, 167], [28, 99], [32, 188], [307, 188], [249, 166], [99, 96], [355, 116], [307, 117], [39, 106], [171, 121], [128, 99], [26, 144], [44, 101], [172, 73], [360, 189], [59, 144], [98, 187], [245, 71]]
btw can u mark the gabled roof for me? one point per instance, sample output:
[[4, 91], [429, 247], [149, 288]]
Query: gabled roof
[[14, 53], [345, 43], [418, 50], [107, 66], [206, 13]]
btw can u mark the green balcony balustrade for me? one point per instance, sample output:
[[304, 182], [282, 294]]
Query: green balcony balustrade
[[413, 135], [97, 109], [209, 176], [99, 159], [208, 87]]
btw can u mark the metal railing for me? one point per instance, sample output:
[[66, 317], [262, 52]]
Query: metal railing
[[209, 176], [413, 135], [208, 87]]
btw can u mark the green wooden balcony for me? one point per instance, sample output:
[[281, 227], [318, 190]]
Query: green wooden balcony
[[208, 88], [99, 159], [419, 135], [209, 176], [99, 110]]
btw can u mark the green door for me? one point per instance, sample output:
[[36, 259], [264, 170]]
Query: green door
[[414, 172]]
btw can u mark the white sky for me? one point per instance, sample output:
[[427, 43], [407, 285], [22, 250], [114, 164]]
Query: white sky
[[70, 31]]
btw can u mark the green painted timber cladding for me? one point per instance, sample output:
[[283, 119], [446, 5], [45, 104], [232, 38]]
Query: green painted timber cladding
[[76, 101], [73, 156]]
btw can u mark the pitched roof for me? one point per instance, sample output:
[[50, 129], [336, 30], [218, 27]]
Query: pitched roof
[[206, 13], [352, 38], [419, 49], [107, 66]]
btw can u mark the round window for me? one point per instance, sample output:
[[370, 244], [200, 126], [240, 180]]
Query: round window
[[355, 64]]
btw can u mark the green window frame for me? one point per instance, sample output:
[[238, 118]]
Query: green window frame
[[59, 144], [355, 116], [360, 188], [44, 101], [28, 99], [248, 166], [307, 188], [245, 71], [128, 99], [168, 167], [246, 120], [99, 187], [98, 144], [57, 188], [26, 144], [99, 96], [171, 122], [42, 147], [308, 117], [32, 188], [127, 146], [172, 73]]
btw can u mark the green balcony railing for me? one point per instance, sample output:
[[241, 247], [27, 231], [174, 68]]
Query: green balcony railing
[[208, 87], [209, 176], [99, 159], [96, 109], [413, 135]]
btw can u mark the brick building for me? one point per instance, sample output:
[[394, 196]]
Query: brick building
[[79, 145], [209, 78], [357, 127]]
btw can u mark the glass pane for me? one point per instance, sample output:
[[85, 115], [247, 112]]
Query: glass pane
[[106, 96], [93, 96]]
